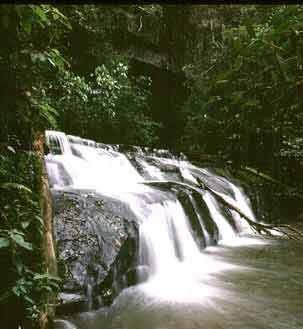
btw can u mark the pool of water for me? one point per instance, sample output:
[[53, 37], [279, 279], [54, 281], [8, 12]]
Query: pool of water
[[260, 286]]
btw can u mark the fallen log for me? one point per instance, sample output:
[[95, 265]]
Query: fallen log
[[263, 229]]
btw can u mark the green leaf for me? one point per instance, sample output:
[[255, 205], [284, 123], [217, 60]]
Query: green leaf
[[39, 219], [29, 300], [16, 291], [49, 114], [15, 186], [51, 61], [47, 276], [39, 276], [63, 19], [14, 231], [4, 243], [47, 288], [19, 240], [19, 265], [38, 15], [11, 149], [27, 26], [25, 224], [23, 289], [221, 81]]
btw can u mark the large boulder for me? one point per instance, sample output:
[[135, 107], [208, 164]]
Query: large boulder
[[97, 244]]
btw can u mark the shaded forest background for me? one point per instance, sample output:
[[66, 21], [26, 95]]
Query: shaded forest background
[[224, 82]]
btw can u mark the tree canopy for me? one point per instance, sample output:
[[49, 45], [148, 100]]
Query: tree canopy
[[222, 80]]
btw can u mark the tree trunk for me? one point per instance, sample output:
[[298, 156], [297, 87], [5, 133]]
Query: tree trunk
[[48, 246]]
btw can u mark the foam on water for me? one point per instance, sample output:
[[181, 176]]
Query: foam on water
[[169, 250]]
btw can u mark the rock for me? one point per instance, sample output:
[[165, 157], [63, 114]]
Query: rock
[[97, 240], [70, 303], [63, 324]]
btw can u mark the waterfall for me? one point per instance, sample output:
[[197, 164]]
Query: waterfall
[[166, 238], [225, 229], [176, 217]]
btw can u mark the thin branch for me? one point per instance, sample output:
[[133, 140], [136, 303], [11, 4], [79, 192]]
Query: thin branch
[[140, 24], [257, 227]]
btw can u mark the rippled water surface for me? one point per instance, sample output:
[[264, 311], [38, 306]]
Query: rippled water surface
[[259, 287]]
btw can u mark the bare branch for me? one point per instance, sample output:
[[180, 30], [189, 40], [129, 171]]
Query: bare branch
[[266, 229]]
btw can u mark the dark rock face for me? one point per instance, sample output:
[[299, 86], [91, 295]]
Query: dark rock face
[[186, 199], [97, 240]]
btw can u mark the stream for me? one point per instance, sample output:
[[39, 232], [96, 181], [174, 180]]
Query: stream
[[199, 265], [262, 291]]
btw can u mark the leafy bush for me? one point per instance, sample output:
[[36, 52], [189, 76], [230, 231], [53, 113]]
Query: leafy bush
[[24, 285], [109, 106]]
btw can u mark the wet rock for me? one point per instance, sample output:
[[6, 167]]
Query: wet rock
[[70, 303], [97, 241], [186, 200], [63, 324], [168, 171]]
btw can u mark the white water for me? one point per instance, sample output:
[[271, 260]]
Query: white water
[[227, 234], [160, 231], [168, 248]]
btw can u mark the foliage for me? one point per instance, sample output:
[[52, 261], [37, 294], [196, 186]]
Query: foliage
[[245, 101], [23, 282], [108, 106], [50, 88], [31, 63]]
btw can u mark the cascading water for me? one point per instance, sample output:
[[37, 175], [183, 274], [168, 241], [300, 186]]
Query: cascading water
[[160, 191], [198, 266]]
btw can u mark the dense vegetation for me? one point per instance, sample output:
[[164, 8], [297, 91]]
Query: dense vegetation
[[246, 93], [25, 284], [69, 68]]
